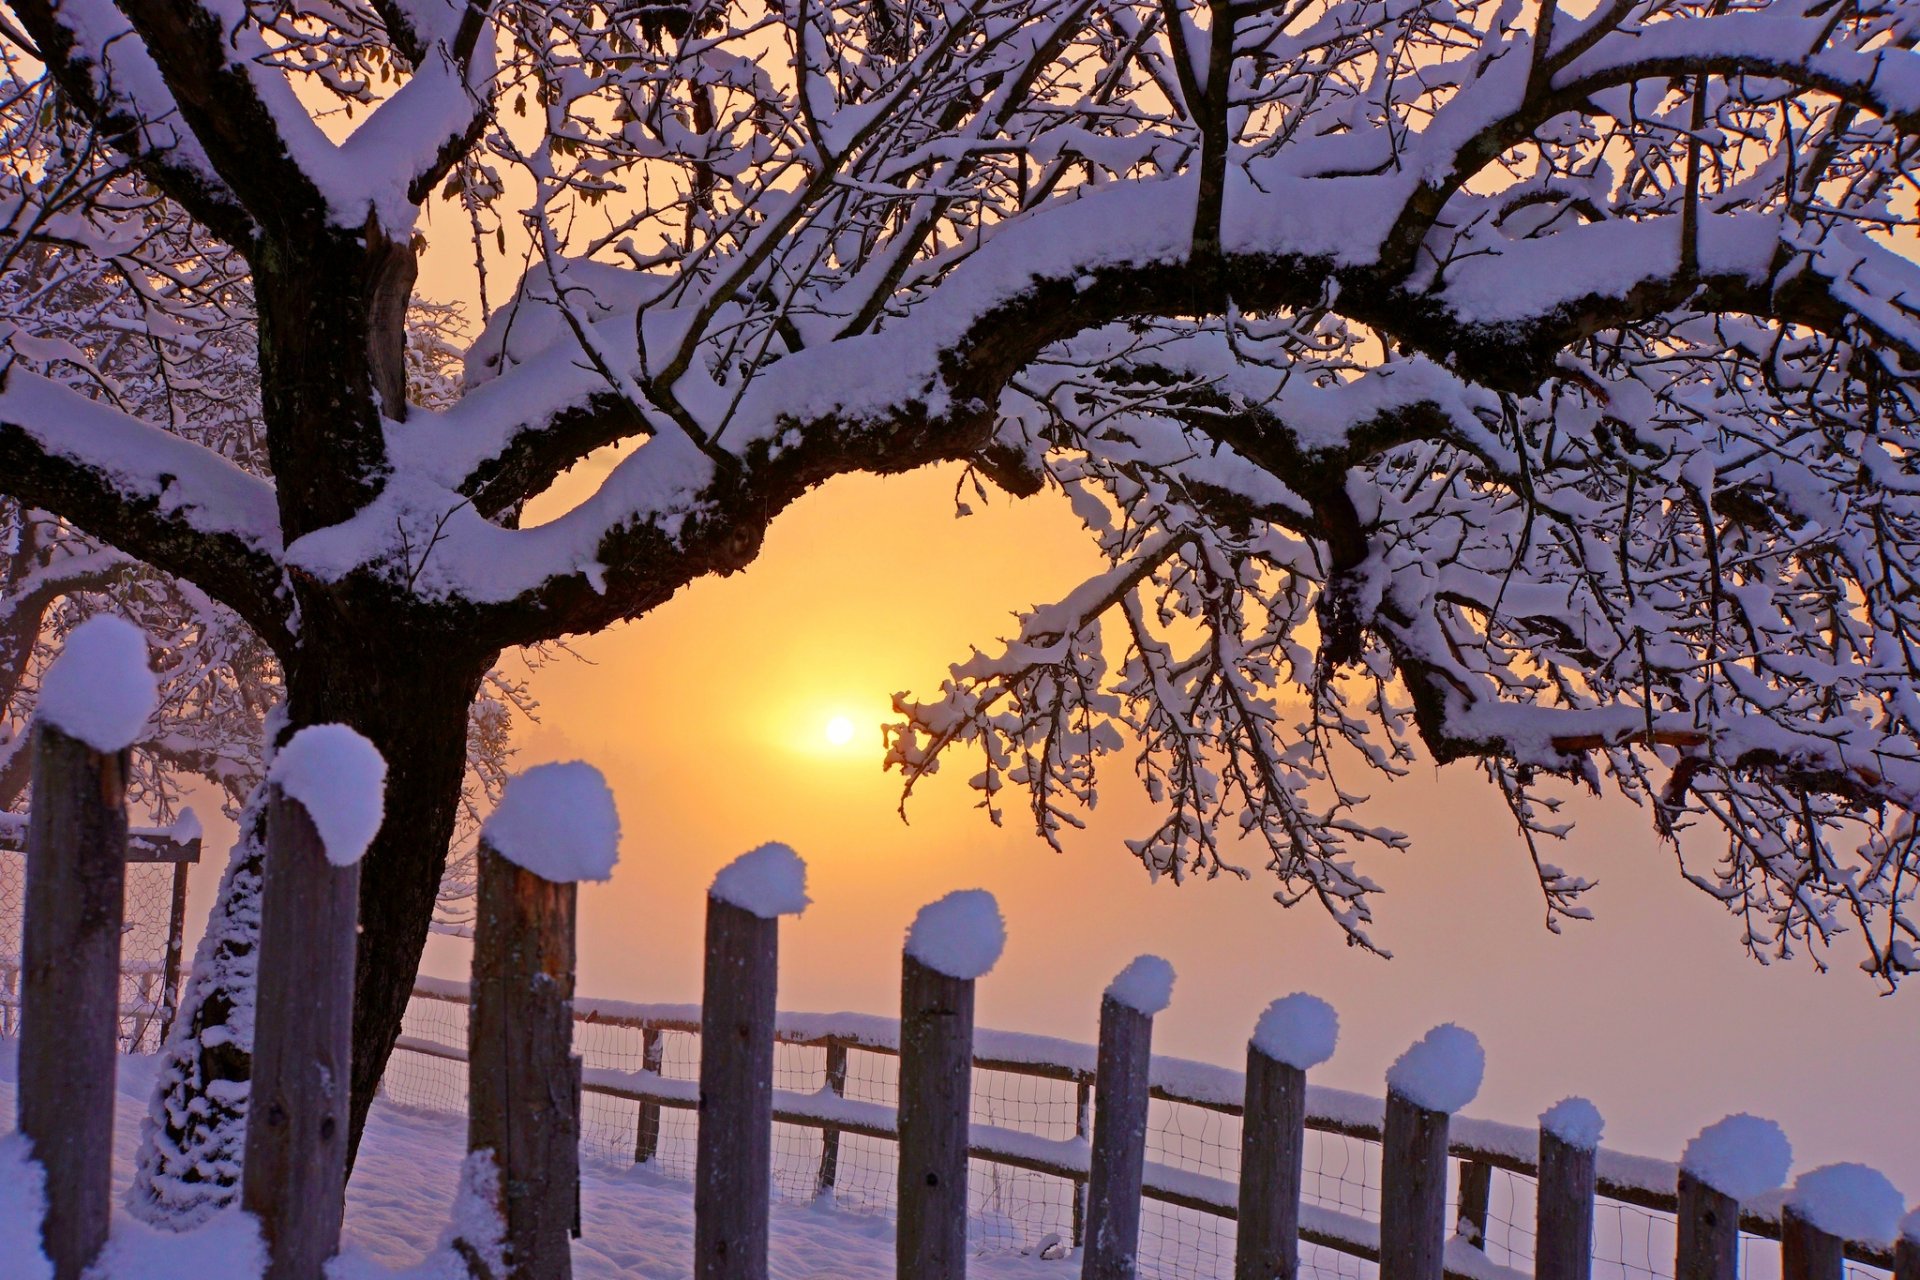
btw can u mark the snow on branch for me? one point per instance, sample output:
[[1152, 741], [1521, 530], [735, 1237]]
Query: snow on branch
[[158, 496]]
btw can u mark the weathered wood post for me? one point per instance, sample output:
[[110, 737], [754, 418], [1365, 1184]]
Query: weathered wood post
[[646, 1136], [1476, 1201], [1121, 1081], [1563, 1202], [1082, 1128], [1435, 1078], [951, 944], [830, 1134], [1294, 1035], [94, 702], [1730, 1161], [733, 1161], [323, 812], [1906, 1254], [1827, 1207], [555, 826], [177, 927]]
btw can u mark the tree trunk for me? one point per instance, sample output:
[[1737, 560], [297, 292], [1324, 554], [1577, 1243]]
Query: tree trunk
[[411, 700], [410, 696]]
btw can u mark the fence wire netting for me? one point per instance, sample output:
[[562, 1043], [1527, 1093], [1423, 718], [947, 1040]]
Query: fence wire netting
[[143, 949], [1022, 1210]]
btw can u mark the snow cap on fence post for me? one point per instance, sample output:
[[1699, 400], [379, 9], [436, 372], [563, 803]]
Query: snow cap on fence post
[[1849, 1201], [960, 935], [767, 882], [1575, 1121], [100, 689], [1299, 1030], [340, 779], [1742, 1156], [557, 821], [1910, 1226], [1441, 1071], [1144, 986]]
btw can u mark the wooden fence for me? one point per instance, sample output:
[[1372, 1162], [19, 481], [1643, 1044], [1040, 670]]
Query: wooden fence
[[150, 987], [1479, 1147], [525, 1084]]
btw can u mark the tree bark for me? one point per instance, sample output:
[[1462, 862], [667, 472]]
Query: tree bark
[[409, 695]]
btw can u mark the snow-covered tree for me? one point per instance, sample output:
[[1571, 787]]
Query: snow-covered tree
[[1486, 379]]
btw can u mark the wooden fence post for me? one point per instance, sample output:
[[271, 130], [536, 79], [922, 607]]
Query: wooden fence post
[[323, 812], [520, 1059], [1476, 1201], [1827, 1205], [1709, 1230], [176, 951], [646, 1136], [1119, 1157], [1731, 1160], [830, 1134], [1436, 1077], [951, 944], [1563, 1201], [1082, 1128], [70, 987], [1294, 1034], [555, 825], [1807, 1252], [1906, 1254], [733, 1164]]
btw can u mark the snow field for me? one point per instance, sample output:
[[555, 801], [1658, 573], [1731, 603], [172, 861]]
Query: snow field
[[403, 1199]]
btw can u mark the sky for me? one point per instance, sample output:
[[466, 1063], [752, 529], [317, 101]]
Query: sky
[[710, 719]]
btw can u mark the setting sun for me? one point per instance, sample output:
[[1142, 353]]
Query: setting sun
[[840, 731]]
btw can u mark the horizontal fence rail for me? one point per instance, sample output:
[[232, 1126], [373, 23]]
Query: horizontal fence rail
[[153, 945], [1481, 1147]]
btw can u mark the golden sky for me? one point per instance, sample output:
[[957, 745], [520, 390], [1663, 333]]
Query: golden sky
[[710, 719]]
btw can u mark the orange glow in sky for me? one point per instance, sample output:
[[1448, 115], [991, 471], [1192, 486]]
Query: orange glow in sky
[[747, 709]]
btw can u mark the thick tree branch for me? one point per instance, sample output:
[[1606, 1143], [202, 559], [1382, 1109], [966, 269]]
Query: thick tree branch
[[155, 496]]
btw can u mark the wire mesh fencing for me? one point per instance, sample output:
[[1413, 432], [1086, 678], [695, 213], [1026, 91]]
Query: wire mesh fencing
[[149, 921], [1021, 1209]]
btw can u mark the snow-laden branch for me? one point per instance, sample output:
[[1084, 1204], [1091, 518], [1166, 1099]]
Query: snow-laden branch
[[168, 501]]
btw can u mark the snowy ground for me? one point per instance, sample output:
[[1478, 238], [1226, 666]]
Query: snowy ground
[[637, 1225]]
